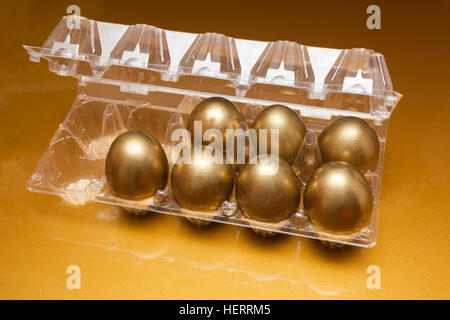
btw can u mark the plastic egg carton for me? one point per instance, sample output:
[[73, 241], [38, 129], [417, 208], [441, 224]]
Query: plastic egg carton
[[145, 78]]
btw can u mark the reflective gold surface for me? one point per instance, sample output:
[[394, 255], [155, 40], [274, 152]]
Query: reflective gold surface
[[215, 113], [351, 140], [136, 165], [267, 193], [161, 256], [202, 184], [338, 198], [290, 126]]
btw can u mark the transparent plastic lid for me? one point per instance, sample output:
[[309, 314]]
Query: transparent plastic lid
[[140, 56]]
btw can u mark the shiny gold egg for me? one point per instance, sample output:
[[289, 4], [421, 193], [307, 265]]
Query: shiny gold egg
[[136, 166], [351, 140], [267, 192], [291, 130], [338, 198], [215, 113], [202, 183]]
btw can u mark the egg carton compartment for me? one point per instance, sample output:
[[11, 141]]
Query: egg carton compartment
[[141, 77], [73, 167]]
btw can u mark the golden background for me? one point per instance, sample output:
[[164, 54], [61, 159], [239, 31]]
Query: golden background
[[165, 257]]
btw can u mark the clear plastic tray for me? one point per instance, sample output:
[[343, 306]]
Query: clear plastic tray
[[144, 78]]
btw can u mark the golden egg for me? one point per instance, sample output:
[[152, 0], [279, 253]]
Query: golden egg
[[136, 166], [202, 183], [291, 130], [267, 192], [215, 113], [351, 140], [338, 198]]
